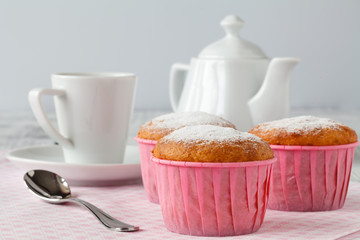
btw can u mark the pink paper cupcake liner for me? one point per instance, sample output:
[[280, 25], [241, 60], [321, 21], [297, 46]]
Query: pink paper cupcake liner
[[213, 199], [147, 168], [310, 178]]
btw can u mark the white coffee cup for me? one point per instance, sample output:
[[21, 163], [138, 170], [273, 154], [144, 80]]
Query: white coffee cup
[[93, 112]]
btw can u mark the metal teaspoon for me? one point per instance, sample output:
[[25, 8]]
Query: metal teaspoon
[[54, 189]]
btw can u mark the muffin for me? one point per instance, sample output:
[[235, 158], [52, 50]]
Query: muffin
[[161, 126], [314, 162], [212, 181]]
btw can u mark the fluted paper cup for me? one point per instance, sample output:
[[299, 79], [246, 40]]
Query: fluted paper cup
[[147, 168], [310, 178], [213, 199]]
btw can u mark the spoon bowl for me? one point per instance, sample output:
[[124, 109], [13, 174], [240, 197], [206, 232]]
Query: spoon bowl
[[52, 188], [47, 185]]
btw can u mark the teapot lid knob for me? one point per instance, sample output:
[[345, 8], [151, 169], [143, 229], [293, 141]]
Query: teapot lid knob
[[232, 46], [232, 24]]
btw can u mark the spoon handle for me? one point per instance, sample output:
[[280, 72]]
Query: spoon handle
[[105, 218]]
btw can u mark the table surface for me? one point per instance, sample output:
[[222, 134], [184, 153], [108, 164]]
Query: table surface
[[23, 216]]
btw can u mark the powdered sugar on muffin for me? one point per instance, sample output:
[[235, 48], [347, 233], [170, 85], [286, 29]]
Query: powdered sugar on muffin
[[305, 131], [206, 143], [300, 124], [165, 124], [209, 133]]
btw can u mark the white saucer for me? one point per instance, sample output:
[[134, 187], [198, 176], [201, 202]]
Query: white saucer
[[51, 158]]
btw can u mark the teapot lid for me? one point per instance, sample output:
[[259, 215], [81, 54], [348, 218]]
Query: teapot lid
[[232, 45]]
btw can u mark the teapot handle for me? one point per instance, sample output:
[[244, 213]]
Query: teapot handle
[[177, 80]]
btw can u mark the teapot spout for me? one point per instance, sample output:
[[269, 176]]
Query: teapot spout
[[272, 101]]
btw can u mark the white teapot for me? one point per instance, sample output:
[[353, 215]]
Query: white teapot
[[233, 78]]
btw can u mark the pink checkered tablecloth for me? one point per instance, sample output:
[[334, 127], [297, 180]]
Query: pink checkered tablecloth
[[23, 216]]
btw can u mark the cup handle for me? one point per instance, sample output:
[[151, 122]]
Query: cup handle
[[40, 115]]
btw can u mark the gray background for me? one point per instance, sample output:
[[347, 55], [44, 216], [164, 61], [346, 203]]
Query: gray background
[[41, 37]]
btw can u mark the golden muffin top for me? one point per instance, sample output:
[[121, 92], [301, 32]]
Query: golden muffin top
[[305, 131], [207, 143], [165, 124]]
